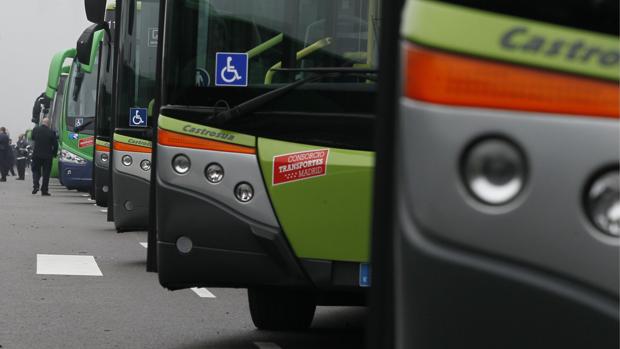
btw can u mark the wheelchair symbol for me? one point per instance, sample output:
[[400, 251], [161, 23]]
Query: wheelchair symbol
[[137, 117], [230, 69]]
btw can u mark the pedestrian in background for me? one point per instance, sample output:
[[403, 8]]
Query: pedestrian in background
[[45, 148], [5, 148], [11, 157], [21, 154]]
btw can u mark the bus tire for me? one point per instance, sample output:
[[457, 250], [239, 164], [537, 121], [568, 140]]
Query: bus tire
[[281, 309]]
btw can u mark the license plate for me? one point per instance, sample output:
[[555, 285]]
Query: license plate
[[364, 275]]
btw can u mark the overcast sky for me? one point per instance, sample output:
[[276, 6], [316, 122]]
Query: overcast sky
[[31, 32]]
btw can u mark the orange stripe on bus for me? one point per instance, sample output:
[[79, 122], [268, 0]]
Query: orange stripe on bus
[[102, 148], [131, 147], [451, 79], [174, 139]]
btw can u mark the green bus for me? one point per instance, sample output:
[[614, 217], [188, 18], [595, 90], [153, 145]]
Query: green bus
[[55, 91], [264, 159], [78, 114], [501, 229]]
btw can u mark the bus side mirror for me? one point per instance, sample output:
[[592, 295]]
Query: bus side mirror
[[95, 10], [85, 43]]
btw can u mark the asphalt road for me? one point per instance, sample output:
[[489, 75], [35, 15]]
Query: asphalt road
[[125, 307]]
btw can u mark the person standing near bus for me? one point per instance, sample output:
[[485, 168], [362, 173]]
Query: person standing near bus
[[4, 154], [45, 148], [21, 154]]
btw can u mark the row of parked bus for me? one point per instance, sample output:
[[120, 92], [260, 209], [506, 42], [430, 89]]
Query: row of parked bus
[[265, 145]]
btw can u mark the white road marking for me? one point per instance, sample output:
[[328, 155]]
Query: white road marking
[[94, 204], [267, 345], [89, 199], [145, 244], [105, 210], [203, 292], [85, 195], [56, 264]]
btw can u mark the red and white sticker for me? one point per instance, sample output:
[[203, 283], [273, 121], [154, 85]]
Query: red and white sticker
[[299, 166], [86, 142]]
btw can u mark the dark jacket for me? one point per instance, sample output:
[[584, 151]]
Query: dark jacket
[[4, 142], [45, 142]]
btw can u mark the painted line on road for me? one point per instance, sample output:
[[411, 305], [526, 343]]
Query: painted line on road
[[267, 345], [85, 195], [94, 204], [202, 292], [57, 264], [144, 244], [105, 210]]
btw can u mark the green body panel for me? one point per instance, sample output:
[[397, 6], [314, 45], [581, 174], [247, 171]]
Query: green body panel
[[326, 217], [102, 143], [94, 51], [132, 140], [512, 39], [54, 172], [56, 69], [201, 131], [72, 145]]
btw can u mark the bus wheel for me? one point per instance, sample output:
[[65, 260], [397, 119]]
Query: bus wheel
[[281, 309]]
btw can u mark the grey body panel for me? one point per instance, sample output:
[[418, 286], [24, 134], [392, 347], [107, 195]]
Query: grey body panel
[[100, 163], [131, 184], [545, 226], [134, 169], [237, 168]]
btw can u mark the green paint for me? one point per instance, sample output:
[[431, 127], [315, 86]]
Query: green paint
[[201, 131], [54, 173], [325, 217], [94, 51], [132, 141], [56, 69], [73, 146], [512, 39], [102, 143]]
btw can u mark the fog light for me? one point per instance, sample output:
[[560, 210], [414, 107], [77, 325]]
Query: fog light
[[145, 165], [181, 164], [129, 206], [105, 188], [184, 244], [603, 203], [105, 157], [214, 173], [494, 171], [127, 160], [244, 192]]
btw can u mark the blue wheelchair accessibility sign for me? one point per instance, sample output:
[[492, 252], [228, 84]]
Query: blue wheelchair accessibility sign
[[137, 117], [231, 69]]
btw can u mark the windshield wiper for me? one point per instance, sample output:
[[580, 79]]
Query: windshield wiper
[[253, 104]]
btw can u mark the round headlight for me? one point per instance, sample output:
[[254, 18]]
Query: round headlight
[[145, 165], [494, 171], [214, 173], [603, 203], [184, 244], [181, 164], [105, 157], [127, 160], [244, 192]]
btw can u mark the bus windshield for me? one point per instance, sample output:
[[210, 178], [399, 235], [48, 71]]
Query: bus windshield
[[82, 98], [138, 57], [283, 40]]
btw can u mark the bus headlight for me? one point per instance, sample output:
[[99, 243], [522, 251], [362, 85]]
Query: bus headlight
[[181, 164], [214, 173], [127, 160], [105, 157], [145, 165], [244, 192], [494, 171], [603, 203], [67, 156]]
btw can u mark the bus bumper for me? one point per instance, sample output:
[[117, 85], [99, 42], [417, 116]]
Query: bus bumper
[[76, 176]]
